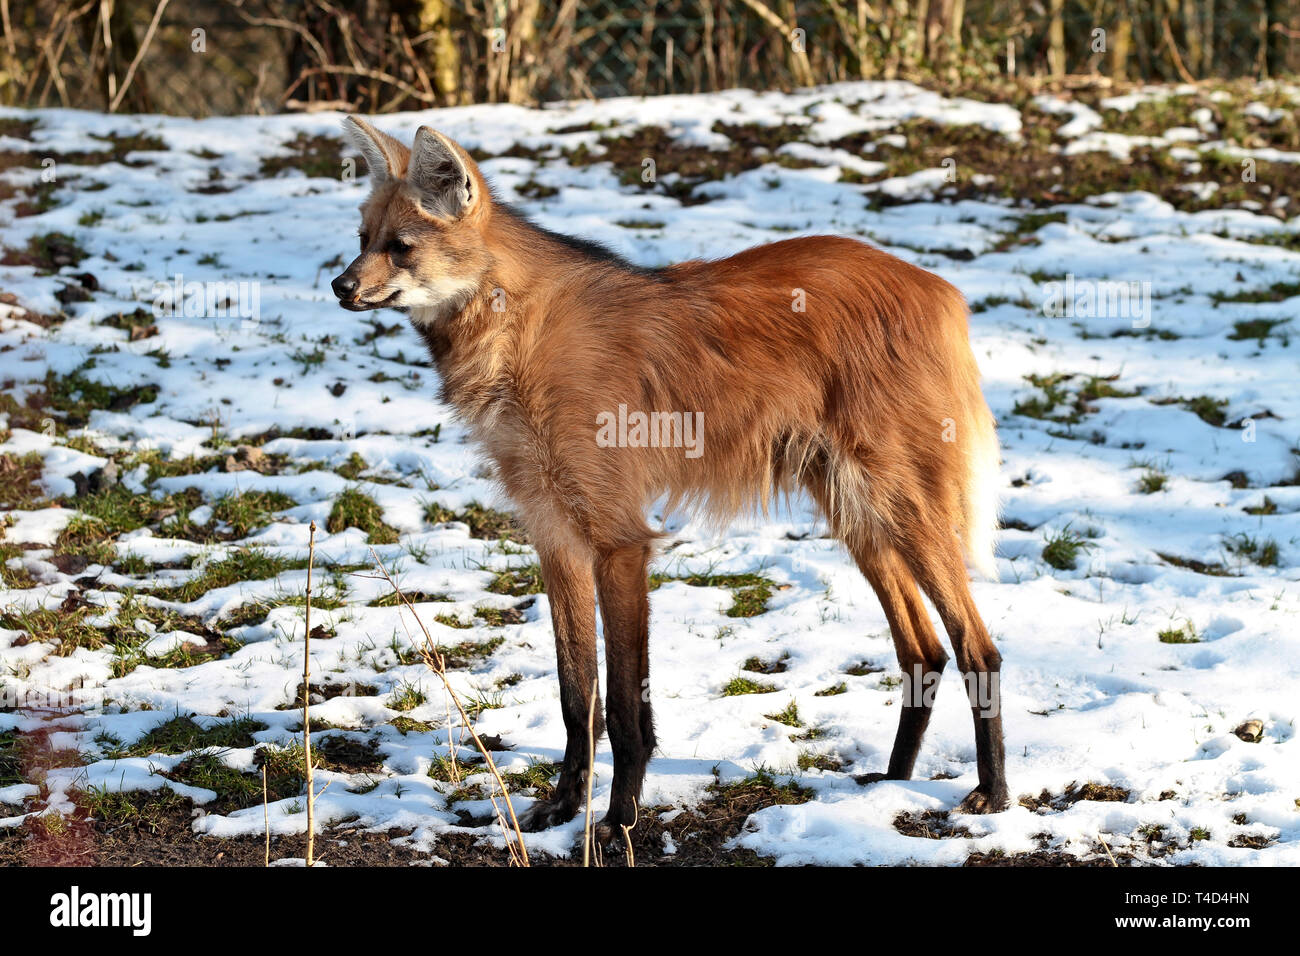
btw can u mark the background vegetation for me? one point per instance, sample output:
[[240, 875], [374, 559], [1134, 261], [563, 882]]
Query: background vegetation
[[200, 57]]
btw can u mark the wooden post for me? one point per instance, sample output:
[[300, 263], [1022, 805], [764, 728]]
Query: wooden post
[[435, 18], [1056, 39], [1120, 42]]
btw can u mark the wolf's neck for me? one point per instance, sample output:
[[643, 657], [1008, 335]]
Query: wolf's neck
[[475, 342]]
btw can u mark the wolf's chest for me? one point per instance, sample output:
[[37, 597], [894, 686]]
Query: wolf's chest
[[485, 396], [478, 373], [472, 368]]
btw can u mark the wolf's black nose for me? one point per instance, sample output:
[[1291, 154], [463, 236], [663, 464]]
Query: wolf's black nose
[[344, 286]]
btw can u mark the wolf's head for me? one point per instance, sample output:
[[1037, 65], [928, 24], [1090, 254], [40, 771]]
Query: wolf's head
[[421, 238]]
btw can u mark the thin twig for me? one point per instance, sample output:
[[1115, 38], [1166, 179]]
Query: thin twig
[[335, 69], [1173, 52], [591, 770], [63, 19], [55, 74], [1107, 849], [283, 24], [800, 57], [139, 55], [453, 752], [627, 839], [8, 27], [306, 704], [266, 815], [105, 10], [434, 660], [319, 106], [415, 62]]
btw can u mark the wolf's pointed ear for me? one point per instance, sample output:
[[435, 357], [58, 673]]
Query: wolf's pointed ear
[[385, 156], [440, 172]]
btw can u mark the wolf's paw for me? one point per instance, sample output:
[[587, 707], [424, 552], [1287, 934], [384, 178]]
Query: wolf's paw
[[545, 814], [979, 800], [609, 831], [865, 779]]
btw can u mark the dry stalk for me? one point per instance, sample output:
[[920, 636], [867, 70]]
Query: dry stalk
[[378, 75], [434, 660], [8, 27], [591, 770], [1168, 36], [139, 55], [306, 705], [453, 749], [802, 67], [266, 816], [627, 842], [1106, 847]]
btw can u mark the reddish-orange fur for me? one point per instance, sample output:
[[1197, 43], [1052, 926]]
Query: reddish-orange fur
[[867, 397]]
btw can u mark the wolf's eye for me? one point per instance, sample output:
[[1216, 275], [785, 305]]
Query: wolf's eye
[[398, 248], [365, 240]]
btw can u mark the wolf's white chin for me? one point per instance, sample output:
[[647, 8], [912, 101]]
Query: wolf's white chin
[[429, 303]]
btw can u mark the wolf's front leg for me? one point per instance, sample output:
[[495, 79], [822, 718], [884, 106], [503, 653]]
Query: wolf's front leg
[[625, 609], [570, 589]]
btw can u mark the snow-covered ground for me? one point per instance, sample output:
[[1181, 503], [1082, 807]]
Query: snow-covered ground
[[1092, 694]]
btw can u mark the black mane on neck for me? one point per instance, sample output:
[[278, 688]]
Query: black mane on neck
[[588, 248]]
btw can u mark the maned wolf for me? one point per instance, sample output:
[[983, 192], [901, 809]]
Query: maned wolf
[[817, 363]]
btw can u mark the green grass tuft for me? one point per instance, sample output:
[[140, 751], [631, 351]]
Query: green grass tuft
[[285, 776], [1152, 480], [448, 769], [1207, 409], [537, 776], [518, 581], [20, 480], [789, 716], [250, 510], [353, 509], [140, 810], [1063, 548], [1263, 553], [1257, 329], [750, 592], [1186, 634], [764, 781], [1276, 292], [811, 761], [406, 696], [448, 620], [483, 522], [182, 734], [746, 685], [244, 564]]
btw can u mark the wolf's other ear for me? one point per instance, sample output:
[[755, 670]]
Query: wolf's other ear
[[385, 156], [440, 173]]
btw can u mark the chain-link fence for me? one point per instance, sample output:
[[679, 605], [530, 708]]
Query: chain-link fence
[[690, 46], [200, 57]]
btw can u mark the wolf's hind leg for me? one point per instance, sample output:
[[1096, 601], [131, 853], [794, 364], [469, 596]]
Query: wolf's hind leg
[[920, 655], [570, 588]]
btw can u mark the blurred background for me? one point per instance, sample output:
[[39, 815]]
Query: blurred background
[[204, 57]]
